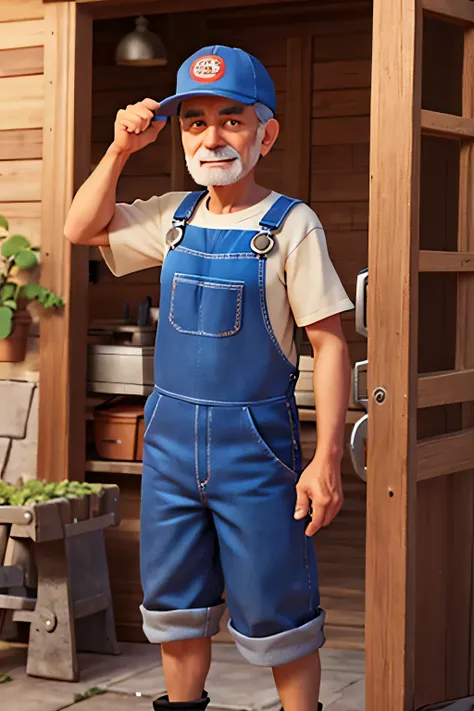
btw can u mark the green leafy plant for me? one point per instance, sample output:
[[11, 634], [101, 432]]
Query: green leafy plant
[[37, 492], [4, 678], [17, 253]]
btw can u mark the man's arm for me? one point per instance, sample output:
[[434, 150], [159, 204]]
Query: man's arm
[[321, 480], [94, 204]]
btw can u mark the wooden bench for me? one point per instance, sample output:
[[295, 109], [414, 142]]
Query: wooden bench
[[55, 577]]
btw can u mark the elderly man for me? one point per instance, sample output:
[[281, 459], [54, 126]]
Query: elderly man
[[224, 500]]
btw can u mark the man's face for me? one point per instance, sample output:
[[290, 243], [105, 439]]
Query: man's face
[[222, 139]]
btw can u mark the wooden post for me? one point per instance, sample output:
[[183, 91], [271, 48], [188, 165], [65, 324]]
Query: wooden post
[[66, 163], [465, 309], [89, 579], [392, 322], [297, 139], [53, 615]]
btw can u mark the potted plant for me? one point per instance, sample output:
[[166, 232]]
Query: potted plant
[[16, 254]]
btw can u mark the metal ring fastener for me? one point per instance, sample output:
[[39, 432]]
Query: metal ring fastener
[[262, 243], [174, 236]]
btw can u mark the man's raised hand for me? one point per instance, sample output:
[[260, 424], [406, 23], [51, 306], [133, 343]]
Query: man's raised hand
[[134, 126]]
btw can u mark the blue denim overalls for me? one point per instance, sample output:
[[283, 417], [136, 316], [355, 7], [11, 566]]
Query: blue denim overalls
[[222, 454]]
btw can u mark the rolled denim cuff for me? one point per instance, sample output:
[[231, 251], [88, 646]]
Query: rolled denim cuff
[[284, 647], [177, 625]]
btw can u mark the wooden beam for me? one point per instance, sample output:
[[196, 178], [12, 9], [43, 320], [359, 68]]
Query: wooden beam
[[25, 61], [89, 525], [20, 180], [454, 11], [29, 33], [23, 102], [439, 261], [21, 10], [63, 350], [463, 505], [103, 9], [392, 347], [446, 125], [445, 388], [15, 602], [21, 145], [297, 135], [446, 454]]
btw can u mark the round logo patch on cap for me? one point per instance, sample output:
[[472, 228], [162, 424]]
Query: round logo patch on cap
[[208, 69]]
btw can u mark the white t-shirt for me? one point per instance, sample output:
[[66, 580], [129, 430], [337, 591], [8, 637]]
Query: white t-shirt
[[302, 285]]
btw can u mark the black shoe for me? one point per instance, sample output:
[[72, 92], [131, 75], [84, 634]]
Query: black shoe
[[164, 703]]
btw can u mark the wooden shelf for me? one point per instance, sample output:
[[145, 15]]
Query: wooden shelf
[[120, 388], [113, 467], [103, 466]]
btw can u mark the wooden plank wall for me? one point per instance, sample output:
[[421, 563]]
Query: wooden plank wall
[[332, 109], [21, 131], [340, 151]]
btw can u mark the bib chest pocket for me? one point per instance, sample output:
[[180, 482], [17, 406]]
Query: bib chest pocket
[[206, 307]]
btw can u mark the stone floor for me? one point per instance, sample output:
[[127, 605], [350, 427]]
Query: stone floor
[[134, 678]]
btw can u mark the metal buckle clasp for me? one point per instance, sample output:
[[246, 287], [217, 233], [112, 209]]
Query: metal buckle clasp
[[175, 234], [262, 243]]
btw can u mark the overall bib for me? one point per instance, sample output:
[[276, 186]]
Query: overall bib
[[222, 455]]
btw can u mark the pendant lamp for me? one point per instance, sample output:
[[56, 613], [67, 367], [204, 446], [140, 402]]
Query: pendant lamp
[[141, 48]]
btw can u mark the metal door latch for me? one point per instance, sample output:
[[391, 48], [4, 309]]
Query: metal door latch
[[361, 302], [361, 365], [358, 447]]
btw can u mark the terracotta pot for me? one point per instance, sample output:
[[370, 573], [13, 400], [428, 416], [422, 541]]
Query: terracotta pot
[[13, 348]]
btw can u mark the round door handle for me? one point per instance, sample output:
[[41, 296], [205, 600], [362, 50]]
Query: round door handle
[[358, 447]]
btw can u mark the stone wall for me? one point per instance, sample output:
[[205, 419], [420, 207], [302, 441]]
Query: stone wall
[[18, 429]]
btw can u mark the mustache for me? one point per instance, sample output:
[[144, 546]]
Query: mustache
[[221, 153]]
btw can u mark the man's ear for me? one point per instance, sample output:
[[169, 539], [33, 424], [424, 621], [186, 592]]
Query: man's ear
[[272, 129]]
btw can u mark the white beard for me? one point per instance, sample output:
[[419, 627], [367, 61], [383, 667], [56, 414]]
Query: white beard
[[228, 174]]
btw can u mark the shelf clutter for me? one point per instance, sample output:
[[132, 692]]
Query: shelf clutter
[[120, 378]]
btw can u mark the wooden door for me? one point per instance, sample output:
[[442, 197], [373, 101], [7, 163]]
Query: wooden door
[[419, 491]]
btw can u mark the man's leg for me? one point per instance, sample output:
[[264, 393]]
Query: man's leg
[[298, 683], [186, 666], [269, 563], [180, 567]]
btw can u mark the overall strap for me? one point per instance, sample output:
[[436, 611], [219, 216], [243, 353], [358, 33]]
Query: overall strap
[[188, 205], [273, 219]]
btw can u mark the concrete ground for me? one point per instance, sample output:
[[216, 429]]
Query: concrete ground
[[133, 679]]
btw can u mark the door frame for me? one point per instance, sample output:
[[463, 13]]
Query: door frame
[[403, 656], [396, 121], [67, 131], [392, 312]]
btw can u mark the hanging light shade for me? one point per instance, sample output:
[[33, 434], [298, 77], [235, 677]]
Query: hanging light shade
[[141, 48]]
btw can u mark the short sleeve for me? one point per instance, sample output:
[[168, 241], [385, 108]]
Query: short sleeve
[[315, 291], [136, 236]]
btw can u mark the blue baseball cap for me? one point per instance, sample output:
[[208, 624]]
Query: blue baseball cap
[[222, 71]]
